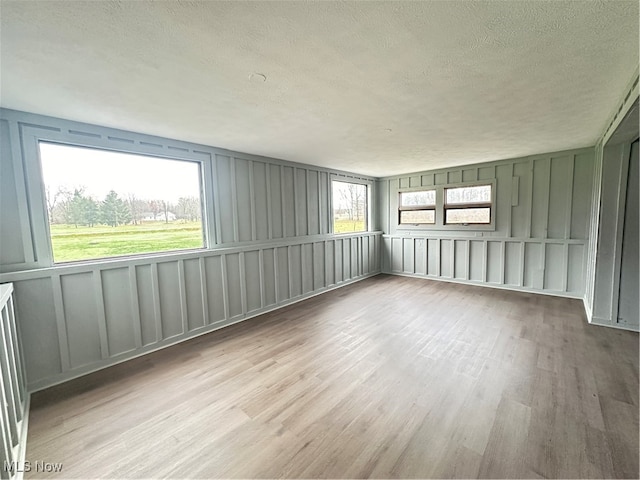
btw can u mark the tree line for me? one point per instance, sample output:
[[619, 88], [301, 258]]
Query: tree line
[[75, 207]]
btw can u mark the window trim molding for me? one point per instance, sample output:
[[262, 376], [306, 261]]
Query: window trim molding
[[103, 139], [333, 177], [440, 208]]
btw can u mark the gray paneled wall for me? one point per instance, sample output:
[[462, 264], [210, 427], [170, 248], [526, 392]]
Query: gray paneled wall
[[268, 224], [78, 318], [542, 213]]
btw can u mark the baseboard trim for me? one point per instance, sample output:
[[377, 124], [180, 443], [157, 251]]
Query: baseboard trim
[[513, 288], [587, 310], [603, 322]]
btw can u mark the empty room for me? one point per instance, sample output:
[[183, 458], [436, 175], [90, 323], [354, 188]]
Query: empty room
[[317, 239]]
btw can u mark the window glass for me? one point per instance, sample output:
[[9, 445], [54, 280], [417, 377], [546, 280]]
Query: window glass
[[468, 215], [418, 199], [417, 217], [349, 207], [462, 195], [104, 204]]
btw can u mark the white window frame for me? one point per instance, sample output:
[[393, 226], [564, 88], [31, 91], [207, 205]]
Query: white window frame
[[358, 181], [107, 140], [440, 208]]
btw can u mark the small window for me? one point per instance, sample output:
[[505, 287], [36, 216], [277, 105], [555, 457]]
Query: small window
[[468, 205], [349, 207], [103, 204], [417, 208]]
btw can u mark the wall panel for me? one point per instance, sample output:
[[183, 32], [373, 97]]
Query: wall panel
[[243, 194], [148, 310], [117, 309], [260, 200], [196, 308], [81, 319], [170, 301], [252, 280], [215, 289]]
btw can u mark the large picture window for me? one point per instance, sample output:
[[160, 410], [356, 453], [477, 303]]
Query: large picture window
[[349, 207], [103, 204]]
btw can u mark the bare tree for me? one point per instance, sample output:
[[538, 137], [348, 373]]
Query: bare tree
[[54, 199], [136, 207], [353, 200]]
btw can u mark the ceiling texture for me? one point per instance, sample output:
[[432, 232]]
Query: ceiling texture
[[378, 88]]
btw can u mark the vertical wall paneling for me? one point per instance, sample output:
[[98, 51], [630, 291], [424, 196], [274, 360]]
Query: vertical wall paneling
[[195, 311], [63, 340], [583, 174], [512, 264], [284, 288], [261, 278], [569, 197], [242, 279], [227, 223], [146, 304], [495, 260], [268, 215], [98, 290], [541, 180], [337, 256], [136, 321], [169, 299], [476, 260], [234, 198], [554, 267], [276, 276], [321, 207], [252, 200], [307, 268], [560, 184], [521, 200], [81, 319], [233, 284], [269, 271], [276, 224], [289, 207], [202, 270], [575, 271], [115, 302], [300, 217], [459, 259], [182, 291]]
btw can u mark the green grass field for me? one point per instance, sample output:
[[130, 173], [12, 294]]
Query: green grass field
[[348, 226], [83, 243]]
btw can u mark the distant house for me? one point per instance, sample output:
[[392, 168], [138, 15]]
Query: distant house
[[151, 217]]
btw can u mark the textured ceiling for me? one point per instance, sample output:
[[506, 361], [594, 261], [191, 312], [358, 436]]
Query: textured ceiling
[[379, 88]]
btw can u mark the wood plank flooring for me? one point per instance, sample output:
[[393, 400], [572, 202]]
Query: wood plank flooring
[[391, 377]]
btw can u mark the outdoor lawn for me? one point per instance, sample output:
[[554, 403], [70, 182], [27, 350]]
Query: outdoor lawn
[[345, 225], [82, 243], [72, 243]]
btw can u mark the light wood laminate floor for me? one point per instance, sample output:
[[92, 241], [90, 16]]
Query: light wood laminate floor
[[391, 377]]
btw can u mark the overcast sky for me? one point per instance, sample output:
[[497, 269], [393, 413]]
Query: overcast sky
[[99, 171]]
